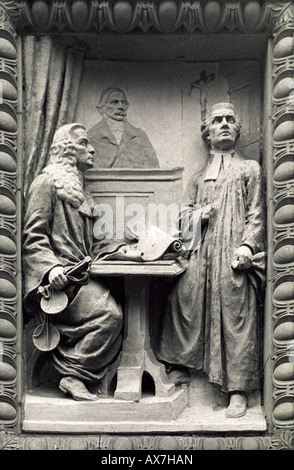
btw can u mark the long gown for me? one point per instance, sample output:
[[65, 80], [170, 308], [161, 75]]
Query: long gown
[[56, 233], [210, 323]]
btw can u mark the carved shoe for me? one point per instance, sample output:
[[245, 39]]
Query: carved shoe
[[76, 389], [237, 406]]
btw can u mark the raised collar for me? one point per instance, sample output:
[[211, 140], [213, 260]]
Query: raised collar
[[218, 160]]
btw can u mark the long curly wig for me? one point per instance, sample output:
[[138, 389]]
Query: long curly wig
[[62, 166]]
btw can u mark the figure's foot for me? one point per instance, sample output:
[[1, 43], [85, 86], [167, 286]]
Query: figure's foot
[[178, 375], [237, 406], [222, 399], [76, 389]]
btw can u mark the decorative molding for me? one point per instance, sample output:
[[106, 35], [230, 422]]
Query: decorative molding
[[8, 216], [283, 12], [282, 440], [283, 243], [11, 8], [164, 16]]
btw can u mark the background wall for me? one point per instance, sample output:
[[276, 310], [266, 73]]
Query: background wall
[[163, 104]]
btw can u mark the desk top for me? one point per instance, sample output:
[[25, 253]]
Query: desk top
[[168, 268]]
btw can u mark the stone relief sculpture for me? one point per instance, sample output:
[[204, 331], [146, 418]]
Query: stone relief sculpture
[[275, 19], [85, 334], [211, 319], [117, 143]]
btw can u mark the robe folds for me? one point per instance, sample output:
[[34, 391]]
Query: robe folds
[[56, 233], [211, 319]]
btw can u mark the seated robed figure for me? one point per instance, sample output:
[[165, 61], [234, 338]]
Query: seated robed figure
[[117, 142], [84, 338], [211, 318]]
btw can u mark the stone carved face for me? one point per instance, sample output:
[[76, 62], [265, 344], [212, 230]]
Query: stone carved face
[[116, 106], [223, 128], [84, 150]]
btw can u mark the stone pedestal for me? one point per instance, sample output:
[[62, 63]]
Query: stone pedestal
[[193, 409], [137, 356], [50, 411]]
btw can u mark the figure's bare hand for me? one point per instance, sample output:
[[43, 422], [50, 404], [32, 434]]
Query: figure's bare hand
[[57, 278], [242, 258], [205, 213]]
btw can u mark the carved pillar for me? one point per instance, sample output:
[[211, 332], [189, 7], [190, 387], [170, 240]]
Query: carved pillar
[[8, 221], [283, 220]]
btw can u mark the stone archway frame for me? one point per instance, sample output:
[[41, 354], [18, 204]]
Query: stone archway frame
[[73, 16]]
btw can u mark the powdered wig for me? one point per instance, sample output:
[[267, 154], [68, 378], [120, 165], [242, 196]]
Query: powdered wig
[[105, 96], [62, 166], [207, 121]]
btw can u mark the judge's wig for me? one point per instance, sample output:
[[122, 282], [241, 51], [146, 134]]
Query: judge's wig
[[62, 166]]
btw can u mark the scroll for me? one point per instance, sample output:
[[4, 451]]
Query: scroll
[[151, 244], [156, 244]]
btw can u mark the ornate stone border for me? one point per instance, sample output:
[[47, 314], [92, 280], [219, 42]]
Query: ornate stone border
[[8, 223], [123, 16], [280, 440], [165, 16]]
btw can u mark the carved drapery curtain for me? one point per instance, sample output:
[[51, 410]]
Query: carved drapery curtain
[[52, 76]]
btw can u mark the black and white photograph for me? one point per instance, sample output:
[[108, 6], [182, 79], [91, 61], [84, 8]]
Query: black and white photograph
[[146, 228]]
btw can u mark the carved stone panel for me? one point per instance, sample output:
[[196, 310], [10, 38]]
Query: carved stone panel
[[190, 30], [283, 221], [9, 314]]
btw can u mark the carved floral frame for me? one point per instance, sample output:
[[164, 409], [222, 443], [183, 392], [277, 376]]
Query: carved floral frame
[[247, 17]]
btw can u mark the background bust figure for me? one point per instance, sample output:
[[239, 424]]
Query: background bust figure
[[117, 143]]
